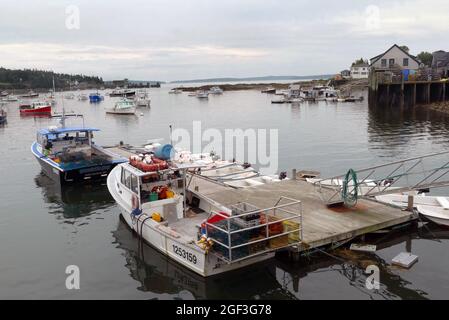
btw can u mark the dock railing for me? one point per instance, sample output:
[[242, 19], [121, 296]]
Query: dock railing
[[414, 174], [250, 231]]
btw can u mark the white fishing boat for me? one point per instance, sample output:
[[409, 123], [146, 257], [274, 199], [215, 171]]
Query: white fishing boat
[[233, 174], [202, 94], [269, 90], [141, 99], [83, 97], [69, 96], [11, 98], [435, 209], [118, 92], [123, 106], [215, 90], [175, 91], [153, 200]]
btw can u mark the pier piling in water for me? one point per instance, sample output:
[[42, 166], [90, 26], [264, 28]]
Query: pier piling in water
[[398, 92]]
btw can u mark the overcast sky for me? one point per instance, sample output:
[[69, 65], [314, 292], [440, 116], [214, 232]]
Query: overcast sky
[[190, 39]]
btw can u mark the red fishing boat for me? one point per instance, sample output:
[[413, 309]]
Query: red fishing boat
[[35, 108]]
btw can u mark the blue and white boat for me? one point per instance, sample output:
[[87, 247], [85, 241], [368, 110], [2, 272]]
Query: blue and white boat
[[95, 97], [68, 155]]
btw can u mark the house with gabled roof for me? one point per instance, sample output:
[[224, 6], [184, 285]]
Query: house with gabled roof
[[360, 71], [393, 58]]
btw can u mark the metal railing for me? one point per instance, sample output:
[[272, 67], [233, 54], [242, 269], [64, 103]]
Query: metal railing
[[251, 233], [419, 173]]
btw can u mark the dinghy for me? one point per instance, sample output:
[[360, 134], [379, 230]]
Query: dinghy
[[435, 209]]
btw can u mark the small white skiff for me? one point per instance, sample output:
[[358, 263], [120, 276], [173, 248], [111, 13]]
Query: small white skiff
[[435, 209]]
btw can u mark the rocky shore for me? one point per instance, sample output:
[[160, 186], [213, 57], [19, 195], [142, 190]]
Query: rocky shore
[[251, 86], [439, 107], [345, 85]]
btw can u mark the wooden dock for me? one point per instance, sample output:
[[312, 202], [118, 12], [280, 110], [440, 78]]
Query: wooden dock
[[322, 226]]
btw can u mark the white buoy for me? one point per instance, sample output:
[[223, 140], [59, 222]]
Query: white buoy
[[405, 260]]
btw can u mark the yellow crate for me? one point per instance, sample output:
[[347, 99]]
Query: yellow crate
[[278, 242], [292, 226]]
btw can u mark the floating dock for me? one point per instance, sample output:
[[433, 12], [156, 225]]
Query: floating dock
[[322, 226]]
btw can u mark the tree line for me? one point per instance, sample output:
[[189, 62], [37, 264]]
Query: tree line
[[42, 79]]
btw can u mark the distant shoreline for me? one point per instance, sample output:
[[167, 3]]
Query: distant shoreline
[[344, 85], [252, 79]]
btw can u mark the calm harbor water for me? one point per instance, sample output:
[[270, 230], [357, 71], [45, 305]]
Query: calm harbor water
[[44, 229]]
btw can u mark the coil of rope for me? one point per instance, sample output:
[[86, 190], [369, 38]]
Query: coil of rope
[[349, 192]]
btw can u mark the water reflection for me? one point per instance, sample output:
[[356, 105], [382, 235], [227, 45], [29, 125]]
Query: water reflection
[[159, 274], [73, 202], [395, 132], [278, 278]]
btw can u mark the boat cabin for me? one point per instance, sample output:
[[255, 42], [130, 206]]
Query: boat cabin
[[160, 192], [66, 144]]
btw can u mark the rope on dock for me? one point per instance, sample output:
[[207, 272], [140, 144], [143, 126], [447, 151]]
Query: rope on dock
[[350, 196]]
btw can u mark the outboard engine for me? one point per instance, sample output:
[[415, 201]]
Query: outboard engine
[[283, 175]]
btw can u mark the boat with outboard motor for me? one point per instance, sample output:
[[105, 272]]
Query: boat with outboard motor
[[436, 209], [155, 201], [68, 155]]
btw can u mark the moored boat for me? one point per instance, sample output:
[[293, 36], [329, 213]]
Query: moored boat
[[269, 90], [175, 91], [202, 94], [141, 99], [68, 155], [95, 97], [216, 90], [123, 106], [30, 94], [436, 209], [117, 92], [3, 116], [11, 98], [153, 200], [35, 108], [83, 97]]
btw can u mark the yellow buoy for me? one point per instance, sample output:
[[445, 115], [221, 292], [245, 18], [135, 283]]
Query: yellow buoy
[[156, 217]]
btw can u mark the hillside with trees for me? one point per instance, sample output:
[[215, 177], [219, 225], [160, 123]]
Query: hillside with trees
[[42, 79]]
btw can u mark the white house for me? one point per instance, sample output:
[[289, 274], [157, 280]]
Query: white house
[[346, 74], [395, 56], [360, 71]]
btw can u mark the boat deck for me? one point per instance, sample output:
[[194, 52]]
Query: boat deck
[[119, 151], [321, 225], [188, 227]]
